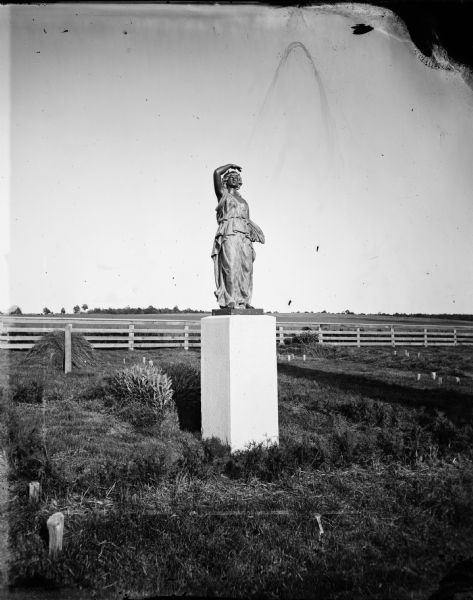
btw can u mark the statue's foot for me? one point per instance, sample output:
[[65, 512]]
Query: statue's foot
[[248, 306], [231, 305]]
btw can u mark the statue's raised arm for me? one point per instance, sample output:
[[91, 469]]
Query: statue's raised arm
[[218, 183]]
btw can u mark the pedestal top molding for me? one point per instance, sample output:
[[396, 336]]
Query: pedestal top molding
[[220, 312]]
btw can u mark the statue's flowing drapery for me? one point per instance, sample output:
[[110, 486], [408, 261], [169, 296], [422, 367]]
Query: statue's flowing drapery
[[233, 252]]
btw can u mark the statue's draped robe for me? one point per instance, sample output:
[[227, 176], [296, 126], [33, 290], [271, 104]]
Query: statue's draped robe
[[233, 252]]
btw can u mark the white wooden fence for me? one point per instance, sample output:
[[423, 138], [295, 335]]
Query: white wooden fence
[[21, 333]]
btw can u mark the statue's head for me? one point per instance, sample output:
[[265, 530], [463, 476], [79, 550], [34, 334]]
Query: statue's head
[[232, 179]]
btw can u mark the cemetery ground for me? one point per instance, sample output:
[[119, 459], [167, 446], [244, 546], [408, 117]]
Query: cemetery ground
[[368, 495]]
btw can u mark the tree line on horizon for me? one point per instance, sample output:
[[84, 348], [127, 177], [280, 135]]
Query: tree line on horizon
[[127, 310], [452, 316], [151, 310]]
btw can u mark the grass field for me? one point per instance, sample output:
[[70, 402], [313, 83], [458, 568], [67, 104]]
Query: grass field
[[384, 459]]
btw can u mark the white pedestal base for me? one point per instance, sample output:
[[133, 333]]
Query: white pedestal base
[[239, 380]]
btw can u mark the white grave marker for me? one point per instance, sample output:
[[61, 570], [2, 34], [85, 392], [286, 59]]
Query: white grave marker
[[55, 525]]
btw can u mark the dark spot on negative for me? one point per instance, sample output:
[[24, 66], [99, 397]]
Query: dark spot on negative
[[66, 31], [360, 29]]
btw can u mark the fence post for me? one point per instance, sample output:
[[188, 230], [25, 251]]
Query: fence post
[[393, 337], [321, 335], [68, 348], [425, 337], [131, 336], [358, 337], [186, 337], [281, 335], [454, 337]]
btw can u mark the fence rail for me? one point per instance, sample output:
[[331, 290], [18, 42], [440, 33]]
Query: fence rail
[[21, 333]]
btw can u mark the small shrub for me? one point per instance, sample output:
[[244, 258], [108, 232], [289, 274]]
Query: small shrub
[[151, 463], [346, 439], [193, 459], [214, 449], [309, 343], [259, 461], [97, 391], [29, 392], [308, 337], [142, 393], [137, 414], [269, 463], [451, 437], [367, 411], [392, 445], [409, 446], [445, 432], [26, 450]]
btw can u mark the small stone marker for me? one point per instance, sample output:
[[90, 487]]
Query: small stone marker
[[434, 375], [418, 355], [418, 376], [144, 360], [407, 353], [457, 379], [303, 357], [318, 518], [395, 352], [34, 491], [288, 358], [124, 361], [150, 362], [55, 525], [440, 380]]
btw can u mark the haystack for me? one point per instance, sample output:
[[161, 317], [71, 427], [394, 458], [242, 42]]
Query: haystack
[[49, 351]]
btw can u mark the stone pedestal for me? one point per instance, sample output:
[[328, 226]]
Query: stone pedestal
[[239, 379]]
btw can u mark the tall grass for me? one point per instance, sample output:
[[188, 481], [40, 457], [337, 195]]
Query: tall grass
[[141, 393]]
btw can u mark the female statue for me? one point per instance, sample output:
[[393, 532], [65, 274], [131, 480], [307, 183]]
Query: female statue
[[233, 252]]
